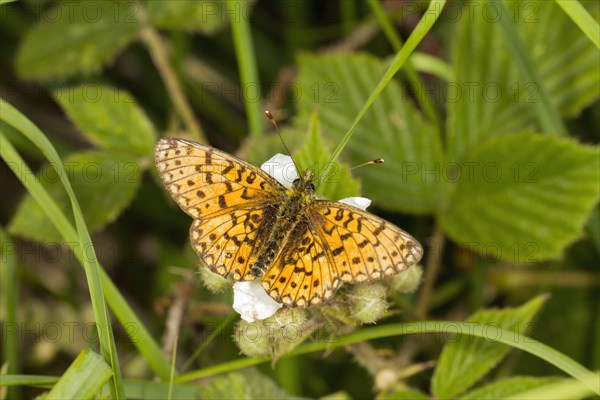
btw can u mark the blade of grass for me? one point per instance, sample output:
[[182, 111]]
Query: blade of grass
[[424, 25], [28, 380], [83, 379], [134, 388], [582, 18], [90, 262], [133, 326], [507, 337], [10, 294], [244, 50], [549, 119], [566, 389], [415, 80]]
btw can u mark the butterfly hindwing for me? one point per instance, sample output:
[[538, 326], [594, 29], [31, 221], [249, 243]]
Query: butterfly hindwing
[[301, 274], [229, 244], [362, 246]]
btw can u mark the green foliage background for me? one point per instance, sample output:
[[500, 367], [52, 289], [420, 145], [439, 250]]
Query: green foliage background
[[490, 138]]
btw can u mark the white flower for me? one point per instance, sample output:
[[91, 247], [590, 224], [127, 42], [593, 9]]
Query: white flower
[[252, 302], [249, 298], [358, 202], [282, 168]]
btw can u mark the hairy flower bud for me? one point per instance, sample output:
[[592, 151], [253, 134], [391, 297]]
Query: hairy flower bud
[[367, 302], [252, 338], [286, 325], [407, 281]]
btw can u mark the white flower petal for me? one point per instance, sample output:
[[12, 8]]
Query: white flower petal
[[252, 302], [359, 202], [282, 168]]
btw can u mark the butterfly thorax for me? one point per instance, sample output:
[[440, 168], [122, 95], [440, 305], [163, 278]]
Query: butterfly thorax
[[302, 192], [290, 213]]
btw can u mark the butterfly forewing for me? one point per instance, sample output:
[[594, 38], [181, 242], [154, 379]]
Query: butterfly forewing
[[207, 182], [230, 200]]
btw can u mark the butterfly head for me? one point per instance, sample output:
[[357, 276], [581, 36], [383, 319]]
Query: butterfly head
[[305, 182]]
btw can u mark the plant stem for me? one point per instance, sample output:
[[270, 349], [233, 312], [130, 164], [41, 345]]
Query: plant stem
[[432, 267], [10, 299], [158, 51]]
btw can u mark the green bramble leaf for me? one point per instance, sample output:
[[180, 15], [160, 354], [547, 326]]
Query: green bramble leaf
[[523, 197], [247, 385], [79, 39], [206, 16], [402, 393], [109, 117], [489, 96], [467, 359], [104, 183], [508, 387], [337, 86]]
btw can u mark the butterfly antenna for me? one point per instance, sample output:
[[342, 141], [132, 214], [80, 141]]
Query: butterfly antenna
[[375, 161], [274, 122]]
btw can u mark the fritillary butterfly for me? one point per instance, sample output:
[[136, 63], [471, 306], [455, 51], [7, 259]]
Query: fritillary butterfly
[[248, 225]]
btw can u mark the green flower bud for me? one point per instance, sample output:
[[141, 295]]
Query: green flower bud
[[286, 325], [213, 282], [287, 329], [367, 302], [252, 338], [407, 281]]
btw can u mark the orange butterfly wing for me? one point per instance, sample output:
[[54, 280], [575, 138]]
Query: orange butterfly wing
[[232, 203]]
